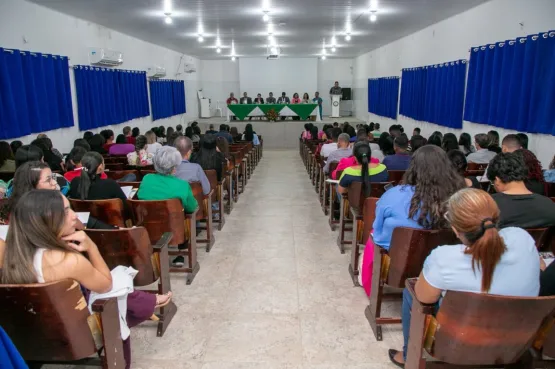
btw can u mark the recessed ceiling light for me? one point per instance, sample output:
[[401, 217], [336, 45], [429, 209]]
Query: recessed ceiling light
[[265, 17], [168, 20], [273, 50], [233, 58], [323, 57], [373, 17], [200, 38], [218, 50], [333, 49], [167, 6], [348, 37]]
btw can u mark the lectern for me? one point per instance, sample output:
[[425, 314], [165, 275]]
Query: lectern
[[335, 106]]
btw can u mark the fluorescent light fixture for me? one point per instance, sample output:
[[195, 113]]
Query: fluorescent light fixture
[[168, 6], [333, 49], [323, 57], [323, 51], [333, 41], [218, 50], [265, 5], [373, 16], [265, 17], [270, 28], [233, 58], [273, 50], [168, 20], [348, 37], [200, 38]]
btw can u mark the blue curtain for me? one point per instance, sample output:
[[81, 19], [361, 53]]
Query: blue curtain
[[383, 96], [35, 95], [511, 84], [167, 98], [109, 96], [434, 93]]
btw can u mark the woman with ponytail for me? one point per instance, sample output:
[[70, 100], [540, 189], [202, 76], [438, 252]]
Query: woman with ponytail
[[140, 156], [90, 185], [501, 262]]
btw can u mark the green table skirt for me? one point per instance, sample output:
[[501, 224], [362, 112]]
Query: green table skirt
[[243, 110]]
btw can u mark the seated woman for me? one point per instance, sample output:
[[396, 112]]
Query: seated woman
[[235, 134], [250, 135], [74, 166], [141, 156], [296, 99], [121, 147], [51, 250], [97, 144], [7, 162], [152, 145], [534, 181], [549, 175], [458, 160], [416, 203], [306, 98], [90, 185], [53, 161], [504, 262], [364, 171], [306, 135], [208, 157], [519, 206]]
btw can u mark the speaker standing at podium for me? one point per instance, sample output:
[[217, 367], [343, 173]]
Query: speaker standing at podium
[[335, 95]]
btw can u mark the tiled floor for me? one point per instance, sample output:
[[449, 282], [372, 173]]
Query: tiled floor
[[274, 292]]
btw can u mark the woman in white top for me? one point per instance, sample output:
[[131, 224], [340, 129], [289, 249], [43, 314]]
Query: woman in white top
[[502, 262], [152, 145], [140, 156], [42, 246]]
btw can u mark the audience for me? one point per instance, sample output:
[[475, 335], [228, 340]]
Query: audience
[[196, 132], [28, 153], [235, 134], [53, 161], [179, 129], [88, 134], [449, 142], [511, 143], [161, 135], [494, 142], [187, 171], [523, 140], [500, 262], [127, 133], [417, 142], [465, 144], [386, 144], [482, 154], [343, 151], [169, 132], [305, 136], [7, 162], [458, 160], [250, 136], [395, 130], [211, 130], [171, 138], [74, 165], [208, 156], [97, 144], [435, 139], [549, 175], [519, 206], [152, 144], [364, 171], [225, 134], [534, 181], [401, 159], [223, 146], [121, 147], [81, 142], [15, 145], [376, 131], [416, 132], [140, 157], [332, 146], [108, 136]]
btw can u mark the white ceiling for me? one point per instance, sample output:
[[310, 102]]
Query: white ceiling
[[305, 24]]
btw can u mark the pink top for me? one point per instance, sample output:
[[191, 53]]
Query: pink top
[[321, 135], [351, 161], [306, 135], [296, 100]]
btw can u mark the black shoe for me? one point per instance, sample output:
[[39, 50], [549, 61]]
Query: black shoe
[[392, 354], [178, 261]]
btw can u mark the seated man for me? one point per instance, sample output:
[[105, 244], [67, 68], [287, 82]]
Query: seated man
[[187, 171], [224, 133], [519, 207], [343, 151], [283, 99], [232, 99], [246, 99], [271, 99], [482, 154], [401, 159], [328, 148], [211, 130]]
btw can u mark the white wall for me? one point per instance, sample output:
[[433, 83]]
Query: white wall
[[449, 40], [220, 77], [27, 26]]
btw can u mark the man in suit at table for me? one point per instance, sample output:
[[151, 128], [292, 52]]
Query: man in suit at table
[[259, 99], [283, 99], [245, 99], [271, 99]]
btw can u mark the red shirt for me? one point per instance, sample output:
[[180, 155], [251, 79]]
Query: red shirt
[[228, 101], [131, 140], [77, 172], [107, 146]]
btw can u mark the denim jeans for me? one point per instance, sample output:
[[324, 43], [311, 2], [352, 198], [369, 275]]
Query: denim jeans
[[405, 316]]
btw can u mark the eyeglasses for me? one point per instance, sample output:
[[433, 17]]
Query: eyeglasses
[[50, 179]]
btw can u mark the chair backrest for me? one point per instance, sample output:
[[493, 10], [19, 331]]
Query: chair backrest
[[368, 216], [159, 217], [114, 166], [542, 236], [333, 166], [396, 176], [129, 247], [356, 197], [482, 329], [550, 189], [474, 173], [476, 166], [410, 247], [213, 179], [109, 211], [196, 187], [117, 174], [132, 184], [47, 321]]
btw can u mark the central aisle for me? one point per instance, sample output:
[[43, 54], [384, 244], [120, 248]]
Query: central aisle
[[274, 292]]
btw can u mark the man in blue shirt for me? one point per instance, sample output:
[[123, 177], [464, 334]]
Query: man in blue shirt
[[318, 100], [187, 171], [401, 159], [224, 133]]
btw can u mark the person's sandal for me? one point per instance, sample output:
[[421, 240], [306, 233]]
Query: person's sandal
[[163, 303], [392, 354]]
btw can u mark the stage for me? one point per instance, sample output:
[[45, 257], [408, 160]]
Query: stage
[[283, 134]]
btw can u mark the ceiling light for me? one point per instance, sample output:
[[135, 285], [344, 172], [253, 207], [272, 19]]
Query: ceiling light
[[168, 20], [200, 38], [373, 4], [323, 57], [265, 17], [273, 50], [333, 49], [270, 28], [218, 50], [348, 37], [233, 58], [323, 51], [373, 16], [333, 41], [167, 6]]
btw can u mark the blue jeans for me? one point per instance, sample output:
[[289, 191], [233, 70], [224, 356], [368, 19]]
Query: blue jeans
[[405, 315]]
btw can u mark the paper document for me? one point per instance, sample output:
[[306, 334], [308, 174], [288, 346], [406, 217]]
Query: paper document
[[3, 232], [83, 217], [127, 190], [333, 181]]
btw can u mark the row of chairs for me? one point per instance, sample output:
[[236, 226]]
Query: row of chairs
[[474, 327], [63, 331]]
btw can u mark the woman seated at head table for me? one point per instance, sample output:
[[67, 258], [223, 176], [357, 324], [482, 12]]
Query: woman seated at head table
[[43, 246], [501, 262], [306, 99], [519, 206], [296, 99], [140, 156]]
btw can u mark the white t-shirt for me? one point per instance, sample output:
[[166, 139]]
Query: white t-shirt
[[327, 149], [152, 148], [516, 274]]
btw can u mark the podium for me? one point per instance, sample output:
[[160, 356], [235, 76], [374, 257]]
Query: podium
[[204, 105], [335, 106]]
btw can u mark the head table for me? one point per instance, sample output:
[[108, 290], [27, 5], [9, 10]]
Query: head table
[[303, 111]]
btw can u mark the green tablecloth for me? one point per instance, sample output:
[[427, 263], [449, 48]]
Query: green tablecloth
[[243, 110]]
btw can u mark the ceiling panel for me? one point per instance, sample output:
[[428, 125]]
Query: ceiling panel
[[300, 26]]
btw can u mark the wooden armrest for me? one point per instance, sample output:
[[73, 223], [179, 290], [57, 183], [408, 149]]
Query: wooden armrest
[[427, 309], [111, 334], [209, 194], [164, 241], [192, 215]]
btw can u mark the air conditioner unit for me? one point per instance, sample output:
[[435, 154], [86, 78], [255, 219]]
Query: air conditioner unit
[[156, 72], [105, 57], [189, 68]]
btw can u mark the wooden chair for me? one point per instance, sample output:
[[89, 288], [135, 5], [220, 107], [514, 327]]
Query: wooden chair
[[118, 174], [159, 217], [363, 220], [550, 189], [217, 188], [477, 330], [204, 213], [131, 247], [476, 166], [229, 184], [114, 167], [405, 259], [474, 173], [132, 184], [111, 211], [48, 323], [396, 176], [332, 196], [325, 188], [356, 197]]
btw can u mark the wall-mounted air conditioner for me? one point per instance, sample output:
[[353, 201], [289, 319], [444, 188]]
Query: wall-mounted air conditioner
[[105, 57], [156, 72], [189, 68]]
